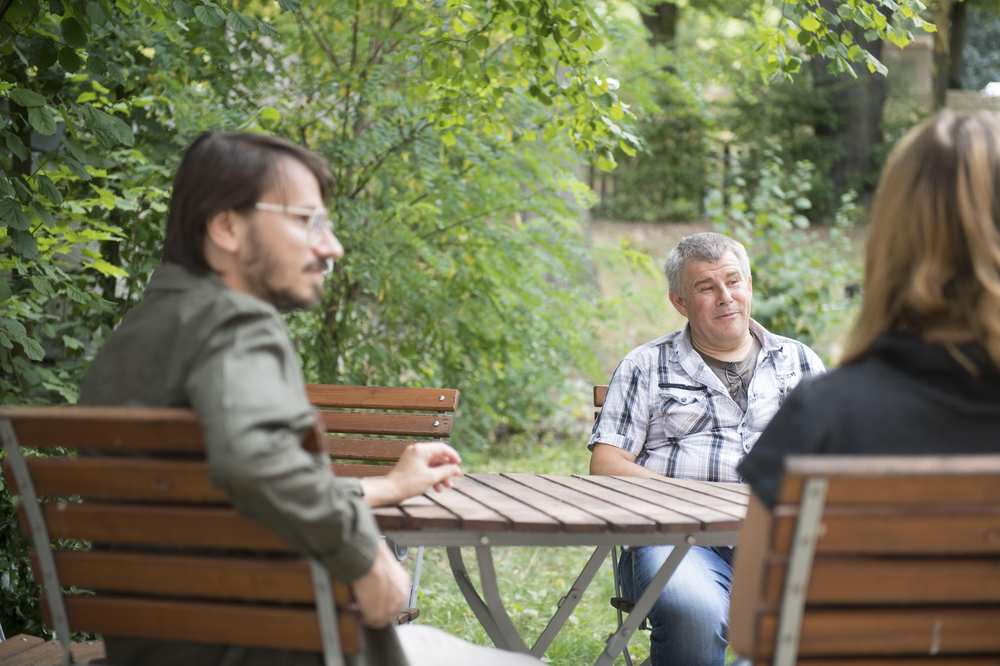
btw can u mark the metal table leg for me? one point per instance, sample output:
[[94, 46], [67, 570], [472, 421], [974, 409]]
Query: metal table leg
[[493, 616], [617, 642], [569, 602]]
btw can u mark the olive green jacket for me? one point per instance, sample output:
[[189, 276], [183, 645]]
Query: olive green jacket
[[193, 342]]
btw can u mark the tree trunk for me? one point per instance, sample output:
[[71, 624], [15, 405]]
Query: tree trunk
[[942, 51], [956, 72], [662, 23]]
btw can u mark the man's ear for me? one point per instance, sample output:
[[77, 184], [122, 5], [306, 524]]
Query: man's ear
[[225, 232], [678, 303]]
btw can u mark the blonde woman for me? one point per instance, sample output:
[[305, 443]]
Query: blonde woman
[[922, 368]]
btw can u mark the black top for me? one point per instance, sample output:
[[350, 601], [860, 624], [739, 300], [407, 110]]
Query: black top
[[904, 396]]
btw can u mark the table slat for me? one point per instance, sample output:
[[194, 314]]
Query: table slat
[[517, 512], [474, 515], [573, 518], [421, 513], [706, 508], [619, 519], [666, 519], [734, 492]]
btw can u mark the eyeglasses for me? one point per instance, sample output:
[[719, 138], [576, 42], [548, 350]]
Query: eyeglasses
[[315, 219]]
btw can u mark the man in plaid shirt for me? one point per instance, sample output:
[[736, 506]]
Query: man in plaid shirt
[[690, 405]]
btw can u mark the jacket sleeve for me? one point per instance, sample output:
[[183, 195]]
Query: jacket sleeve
[[247, 388]]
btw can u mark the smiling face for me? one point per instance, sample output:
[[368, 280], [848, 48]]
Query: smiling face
[[716, 300], [281, 261]]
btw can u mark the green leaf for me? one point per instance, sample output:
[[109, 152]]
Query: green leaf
[[48, 189], [69, 60], [96, 13], [810, 23], [43, 120], [110, 130], [71, 343], [6, 190], [27, 98], [5, 291], [12, 216], [24, 244], [269, 116], [605, 162], [183, 9], [209, 16], [106, 268], [16, 146], [73, 32]]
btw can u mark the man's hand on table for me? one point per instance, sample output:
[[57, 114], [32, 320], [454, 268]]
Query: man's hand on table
[[382, 592], [422, 466]]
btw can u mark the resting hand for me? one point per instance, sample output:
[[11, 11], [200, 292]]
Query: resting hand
[[422, 466], [382, 592]]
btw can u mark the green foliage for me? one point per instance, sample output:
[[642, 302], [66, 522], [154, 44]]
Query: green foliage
[[665, 178], [802, 288], [808, 29], [453, 132], [982, 58]]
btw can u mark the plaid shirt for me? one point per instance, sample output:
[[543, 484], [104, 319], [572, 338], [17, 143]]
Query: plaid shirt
[[666, 407]]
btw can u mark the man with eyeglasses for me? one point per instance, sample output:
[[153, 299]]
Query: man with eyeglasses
[[248, 237], [690, 405]]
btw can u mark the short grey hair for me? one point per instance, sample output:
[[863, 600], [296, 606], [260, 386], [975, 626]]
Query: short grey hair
[[706, 246]]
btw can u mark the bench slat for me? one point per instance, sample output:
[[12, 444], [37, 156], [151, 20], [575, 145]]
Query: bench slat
[[901, 632], [975, 489], [899, 533], [356, 448], [893, 661], [110, 428], [892, 581], [381, 397], [16, 644], [158, 526], [50, 653], [370, 423], [124, 478], [360, 470], [287, 580], [202, 622]]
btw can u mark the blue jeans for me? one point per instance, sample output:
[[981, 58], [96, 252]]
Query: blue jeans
[[691, 616]]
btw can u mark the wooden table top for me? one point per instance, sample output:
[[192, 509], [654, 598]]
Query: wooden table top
[[578, 504]]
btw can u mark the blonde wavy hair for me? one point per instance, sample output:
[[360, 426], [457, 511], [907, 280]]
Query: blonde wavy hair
[[933, 260]]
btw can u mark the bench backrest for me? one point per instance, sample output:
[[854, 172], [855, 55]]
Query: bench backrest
[[369, 426], [600, 393], [873, 560], [170, 558]]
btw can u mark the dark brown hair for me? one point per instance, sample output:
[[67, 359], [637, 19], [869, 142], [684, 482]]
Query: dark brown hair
[[223, 171]]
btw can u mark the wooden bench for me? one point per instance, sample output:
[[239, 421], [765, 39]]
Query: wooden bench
[[175, 561], [369, 426], [873, 561]]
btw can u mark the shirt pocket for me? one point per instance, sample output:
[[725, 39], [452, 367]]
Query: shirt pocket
[[681, 412]]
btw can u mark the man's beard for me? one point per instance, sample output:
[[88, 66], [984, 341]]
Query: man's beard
[[261, 266]]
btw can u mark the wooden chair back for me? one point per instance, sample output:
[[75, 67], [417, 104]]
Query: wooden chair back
[[873, 560], [149, 547], [600, 393], [369, 426]]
